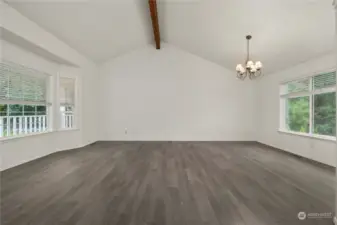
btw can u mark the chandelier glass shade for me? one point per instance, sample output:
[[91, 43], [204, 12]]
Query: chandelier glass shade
[[250, 69]]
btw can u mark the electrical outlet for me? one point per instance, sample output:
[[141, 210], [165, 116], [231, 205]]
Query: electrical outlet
[[126, 130]]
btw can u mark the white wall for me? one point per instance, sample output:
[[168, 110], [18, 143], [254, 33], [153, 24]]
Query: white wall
[[89, 84], [17, 151], [173, 95], [268, 111], [21, 56]]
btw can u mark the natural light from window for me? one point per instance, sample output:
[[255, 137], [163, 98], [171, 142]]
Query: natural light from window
[[67, 102], [308, 106], [23, 100]]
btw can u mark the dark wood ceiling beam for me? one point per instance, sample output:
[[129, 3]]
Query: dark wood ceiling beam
[[155, 23]]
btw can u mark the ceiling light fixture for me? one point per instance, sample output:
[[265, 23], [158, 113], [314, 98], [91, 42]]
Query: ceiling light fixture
[[251, 69]]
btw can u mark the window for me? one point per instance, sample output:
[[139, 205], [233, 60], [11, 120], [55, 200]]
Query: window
[[297, 114], [67, 102], [23, 101], [309, 105]]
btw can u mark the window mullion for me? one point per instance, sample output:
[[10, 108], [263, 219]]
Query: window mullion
[[311, 113], [8, 97], [311, 107], [8, 122]]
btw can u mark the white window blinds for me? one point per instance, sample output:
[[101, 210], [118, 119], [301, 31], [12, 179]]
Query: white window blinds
[[18, 83], [296, 86], [325, 80], [67, 91]]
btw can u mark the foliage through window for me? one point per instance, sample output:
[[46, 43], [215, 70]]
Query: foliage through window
[[309, 105], [297, 114], [324, 109]]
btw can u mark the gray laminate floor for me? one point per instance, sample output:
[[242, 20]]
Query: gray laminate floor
[[163, 183]]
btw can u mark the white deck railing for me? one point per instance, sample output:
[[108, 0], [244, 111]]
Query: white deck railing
[[67, 121], [19, 125]]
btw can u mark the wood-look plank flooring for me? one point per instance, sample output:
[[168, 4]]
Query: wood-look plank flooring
[[166, 183]]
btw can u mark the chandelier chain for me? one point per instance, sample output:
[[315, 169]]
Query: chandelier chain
[[247, 50]]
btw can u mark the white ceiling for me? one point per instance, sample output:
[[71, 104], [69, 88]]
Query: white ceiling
[[100, 30], [285, 32]]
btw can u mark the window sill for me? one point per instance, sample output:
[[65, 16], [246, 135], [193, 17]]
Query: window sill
[[313, 136], [7, 139], [70, 129]]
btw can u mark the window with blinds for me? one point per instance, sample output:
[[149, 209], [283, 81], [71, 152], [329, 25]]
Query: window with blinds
[[325, 80], [309, 105], [296, 87], [23, 100], [67, 93]]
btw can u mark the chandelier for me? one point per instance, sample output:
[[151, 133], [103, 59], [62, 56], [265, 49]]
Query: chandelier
[[251, 69]]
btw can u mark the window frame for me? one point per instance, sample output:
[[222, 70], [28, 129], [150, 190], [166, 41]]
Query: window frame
[[58, 104], [48, 101], [310, 93]]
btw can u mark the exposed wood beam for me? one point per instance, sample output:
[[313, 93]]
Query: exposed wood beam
[[155, 23]]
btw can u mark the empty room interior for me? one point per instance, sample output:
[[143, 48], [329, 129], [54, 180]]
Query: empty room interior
[[168, 112]]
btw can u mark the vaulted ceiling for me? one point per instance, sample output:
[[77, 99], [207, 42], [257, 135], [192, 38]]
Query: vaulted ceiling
[[285, 32]]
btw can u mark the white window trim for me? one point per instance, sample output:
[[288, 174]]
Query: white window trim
[[314, 136], [49, 106], [311, 121], [76, 126], [310, 93], [309, 75]]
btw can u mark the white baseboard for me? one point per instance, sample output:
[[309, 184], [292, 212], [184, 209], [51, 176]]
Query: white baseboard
[[335, 220]]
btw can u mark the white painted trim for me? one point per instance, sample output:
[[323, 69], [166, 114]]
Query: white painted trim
[[70, 129], [77, 104], [297, 94], [76, 99], [311, 109], [314, 136]]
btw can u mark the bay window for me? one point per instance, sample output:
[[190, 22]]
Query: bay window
[[23, 100], [67, 87], [308, 105]]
